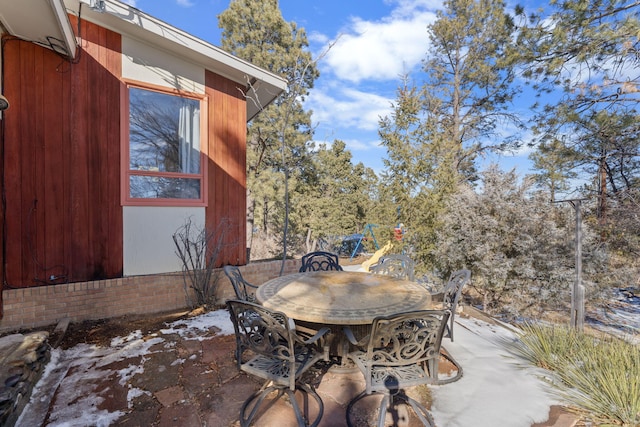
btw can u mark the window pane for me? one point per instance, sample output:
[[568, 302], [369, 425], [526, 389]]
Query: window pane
[[156, 187], [164, 132]]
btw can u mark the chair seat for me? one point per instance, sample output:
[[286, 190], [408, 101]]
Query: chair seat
[[385, 378], [277, 370]]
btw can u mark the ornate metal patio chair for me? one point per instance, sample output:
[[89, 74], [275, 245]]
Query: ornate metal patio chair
[[320, 261], [451, 296], [401, 351], [280, 355], [240, 286], [395, 265]]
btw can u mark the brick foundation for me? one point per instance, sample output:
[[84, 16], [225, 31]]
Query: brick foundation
[[45, 305]]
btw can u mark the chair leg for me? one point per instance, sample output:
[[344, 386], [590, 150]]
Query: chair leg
[[446, 355], [451, 327], [392, 400], [350, 406], [303, 417], [420, 411], [382, 415], [254, 403]]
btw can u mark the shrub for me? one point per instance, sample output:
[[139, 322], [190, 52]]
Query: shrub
[[598, 376], [198, 249]]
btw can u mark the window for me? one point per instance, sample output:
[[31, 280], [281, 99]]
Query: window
[[164, 161]]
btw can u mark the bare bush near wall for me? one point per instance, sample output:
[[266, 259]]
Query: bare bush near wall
[[198, 248]]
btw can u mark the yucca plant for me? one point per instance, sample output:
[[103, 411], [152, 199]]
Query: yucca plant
[[605, 381], [598, 376], [547, 346]]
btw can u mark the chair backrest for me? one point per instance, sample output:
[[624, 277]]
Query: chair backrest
[[406, 338], [395, 265], [239, 284], [264, 332], [453, 288], [320, 261], [412, 338]]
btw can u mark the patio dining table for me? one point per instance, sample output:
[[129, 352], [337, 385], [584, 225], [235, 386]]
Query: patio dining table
[[341, 298]]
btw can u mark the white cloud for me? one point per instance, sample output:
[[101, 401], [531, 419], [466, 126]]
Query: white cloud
[[348, 108], [352, 144], [409, 7], [361, 71], [318, 37], [185, 3], [359, 145], [381, 50]]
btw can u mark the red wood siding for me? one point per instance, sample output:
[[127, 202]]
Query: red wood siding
[[227, 165], [62, 161]]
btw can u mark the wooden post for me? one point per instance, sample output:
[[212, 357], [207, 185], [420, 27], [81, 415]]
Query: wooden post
[[577, 296], [578, 289], [579, 309], [577, 292]]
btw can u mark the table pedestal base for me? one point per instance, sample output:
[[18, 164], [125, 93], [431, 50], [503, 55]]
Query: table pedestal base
[[338, 344]]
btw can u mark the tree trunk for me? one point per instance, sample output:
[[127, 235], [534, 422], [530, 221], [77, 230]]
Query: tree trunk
[[308, 240], [250, 223], [602, 197], [265, 215]]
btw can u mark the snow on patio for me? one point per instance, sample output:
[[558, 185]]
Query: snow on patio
[[496, 389]]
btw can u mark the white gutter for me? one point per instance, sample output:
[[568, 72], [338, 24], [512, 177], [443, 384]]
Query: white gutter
[[69, 37]]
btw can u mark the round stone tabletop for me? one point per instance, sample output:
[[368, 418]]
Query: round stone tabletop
[[341, 297]]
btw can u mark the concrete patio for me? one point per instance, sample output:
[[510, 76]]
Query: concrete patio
[[185, 375]]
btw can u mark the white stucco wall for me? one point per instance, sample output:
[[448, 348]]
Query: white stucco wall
[[148, 241], [145, 63]]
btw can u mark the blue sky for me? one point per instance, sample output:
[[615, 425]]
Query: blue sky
[[378, 41]]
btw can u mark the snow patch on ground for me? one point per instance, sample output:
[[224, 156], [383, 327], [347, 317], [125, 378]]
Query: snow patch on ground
[[71, 371], [192, 328]]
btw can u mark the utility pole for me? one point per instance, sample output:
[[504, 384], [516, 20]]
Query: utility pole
[[577, 293]]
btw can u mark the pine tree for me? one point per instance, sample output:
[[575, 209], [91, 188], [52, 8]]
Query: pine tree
[[469, 86], [441, 124], [554, 161], [255, 30], [518, 246], [587, 48], [338, 202]]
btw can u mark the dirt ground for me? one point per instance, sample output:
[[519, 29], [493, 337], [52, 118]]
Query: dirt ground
[[101, 332]]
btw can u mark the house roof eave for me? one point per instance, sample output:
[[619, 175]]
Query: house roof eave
[[261, 86], [43, 22]]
